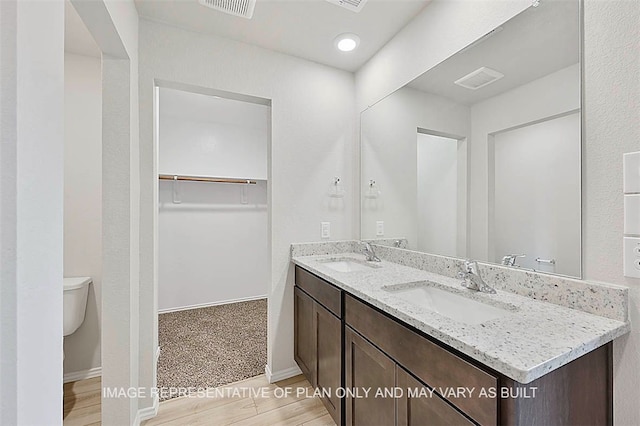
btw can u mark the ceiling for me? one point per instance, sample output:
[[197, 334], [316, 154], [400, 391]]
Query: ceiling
[[77, 38], [302, 28], [535, 43], [196, 107]]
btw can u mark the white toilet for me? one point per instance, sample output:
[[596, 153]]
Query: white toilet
[[76, 290]]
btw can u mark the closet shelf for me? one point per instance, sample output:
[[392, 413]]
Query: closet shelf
[[207, 179]]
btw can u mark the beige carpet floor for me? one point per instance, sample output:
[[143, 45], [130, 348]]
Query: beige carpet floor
[[210, 347]]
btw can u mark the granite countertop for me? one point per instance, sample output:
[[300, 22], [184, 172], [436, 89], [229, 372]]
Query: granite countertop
[[531, 339]]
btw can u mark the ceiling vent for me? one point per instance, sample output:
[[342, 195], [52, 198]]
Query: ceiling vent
[[242, 8], [352, 5], [479, 78]]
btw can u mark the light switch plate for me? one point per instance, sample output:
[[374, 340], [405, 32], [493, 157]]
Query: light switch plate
[[632, 214], [631, 167], [380, 228], [632, 257], [325, 229]]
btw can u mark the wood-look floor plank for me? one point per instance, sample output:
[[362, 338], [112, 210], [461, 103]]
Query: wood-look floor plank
[[182, 407], [221, 415], [176, 408], [291, 414], [290, 381], [82, 405], [83, 416], [81, 386], [86, 399], [253, 382], [324, 420], [277, 397]]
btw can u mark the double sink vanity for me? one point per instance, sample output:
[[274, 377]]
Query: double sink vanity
[[462, 162], [401, 341]]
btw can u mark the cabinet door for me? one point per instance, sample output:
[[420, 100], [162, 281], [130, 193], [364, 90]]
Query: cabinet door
[[329, 356], [417, 407], [367, 368], [304, 335]]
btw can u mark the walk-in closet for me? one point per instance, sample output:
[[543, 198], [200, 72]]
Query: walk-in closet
[[212, 237]]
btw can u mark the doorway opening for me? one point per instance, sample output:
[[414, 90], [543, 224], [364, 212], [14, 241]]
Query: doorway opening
[[441, 189], [212, 236]]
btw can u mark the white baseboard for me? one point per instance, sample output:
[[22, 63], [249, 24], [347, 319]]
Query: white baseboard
[[206, 305], [82, 374], [276, 376], [149, 412]]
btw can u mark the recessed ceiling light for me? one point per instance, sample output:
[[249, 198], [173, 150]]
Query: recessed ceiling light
[[347, 42]]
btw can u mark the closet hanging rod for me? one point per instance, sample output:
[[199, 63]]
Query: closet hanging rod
[[206, 179]]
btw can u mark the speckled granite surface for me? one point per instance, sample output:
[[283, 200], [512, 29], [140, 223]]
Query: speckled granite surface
[[328, 247], [531, 339], [607, 300]]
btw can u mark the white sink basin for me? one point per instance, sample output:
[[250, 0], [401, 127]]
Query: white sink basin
[[348, 265], [449, 304]]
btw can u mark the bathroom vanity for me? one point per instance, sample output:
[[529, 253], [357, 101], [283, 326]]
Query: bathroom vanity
[[520, 361]]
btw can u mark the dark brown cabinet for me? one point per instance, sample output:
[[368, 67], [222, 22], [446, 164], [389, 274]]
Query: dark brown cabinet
[[381, 353], [431, 363], [304, 342], [370, 373], [318, 341], [367, 369], [328, 340], [417, 405]]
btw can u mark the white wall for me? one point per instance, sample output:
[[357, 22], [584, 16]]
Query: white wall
[[554, 94], [389, 150], [83, 200], [212, 247], [126, 365], [437, 182], [612, 127], [32, 84], [312, 138], [113, 24], [212, 136], [536, 200], [31, 211]]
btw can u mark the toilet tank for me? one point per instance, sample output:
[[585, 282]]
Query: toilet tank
[[76, 290]]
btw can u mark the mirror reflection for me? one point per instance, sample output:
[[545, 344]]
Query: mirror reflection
[[479, 157]]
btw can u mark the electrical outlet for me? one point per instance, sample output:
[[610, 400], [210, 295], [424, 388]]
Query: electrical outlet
[[380, 228], [325, 229], [631, 256]]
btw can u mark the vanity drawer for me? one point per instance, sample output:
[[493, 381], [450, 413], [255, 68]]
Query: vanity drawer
[[325, 293], [428, 361]]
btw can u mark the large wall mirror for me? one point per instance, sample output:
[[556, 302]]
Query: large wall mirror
[[480, 156]]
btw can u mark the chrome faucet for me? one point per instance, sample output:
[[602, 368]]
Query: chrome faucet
[[401, 243], [369, 254], [510, 259], [471, 278]]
